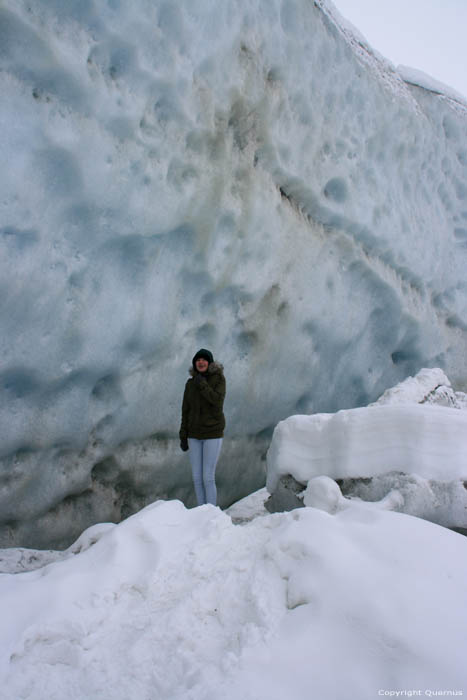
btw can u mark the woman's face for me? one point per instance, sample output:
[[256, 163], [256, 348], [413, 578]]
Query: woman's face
[[201, 364]]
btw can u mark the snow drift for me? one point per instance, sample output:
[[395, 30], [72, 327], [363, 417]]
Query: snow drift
[[182, 604]]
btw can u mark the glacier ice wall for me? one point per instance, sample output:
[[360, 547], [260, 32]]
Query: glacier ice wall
[[246, 176]]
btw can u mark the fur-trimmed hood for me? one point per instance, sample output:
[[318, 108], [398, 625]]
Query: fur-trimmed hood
[[214, 368]]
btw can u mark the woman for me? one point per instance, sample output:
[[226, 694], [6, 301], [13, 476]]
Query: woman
[[203, 423]]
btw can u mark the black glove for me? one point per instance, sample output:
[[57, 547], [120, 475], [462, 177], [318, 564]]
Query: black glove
[[199, 379], [184, 445]]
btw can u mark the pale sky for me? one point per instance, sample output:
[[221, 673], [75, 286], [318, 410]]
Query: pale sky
[[430, 35]]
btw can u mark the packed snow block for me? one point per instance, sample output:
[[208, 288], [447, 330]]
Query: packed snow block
[[430, 441], [241, 176], [442, 499]]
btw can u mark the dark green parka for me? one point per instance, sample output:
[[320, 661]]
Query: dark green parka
[[203, 401]]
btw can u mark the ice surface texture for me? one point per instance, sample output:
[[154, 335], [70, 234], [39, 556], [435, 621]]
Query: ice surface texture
[[244, 176]]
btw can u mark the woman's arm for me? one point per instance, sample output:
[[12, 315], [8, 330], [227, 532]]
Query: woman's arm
[[185, 410], [214, 393]]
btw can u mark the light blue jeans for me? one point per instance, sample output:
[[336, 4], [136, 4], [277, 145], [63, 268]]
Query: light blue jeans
[[203, 457]]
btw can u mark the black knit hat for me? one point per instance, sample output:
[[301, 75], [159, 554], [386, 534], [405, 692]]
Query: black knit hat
[[205, 354]]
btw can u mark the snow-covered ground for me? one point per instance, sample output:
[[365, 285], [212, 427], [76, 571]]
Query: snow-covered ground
[[180, 604]]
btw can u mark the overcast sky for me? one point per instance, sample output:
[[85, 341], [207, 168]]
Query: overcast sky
[[430, 35]]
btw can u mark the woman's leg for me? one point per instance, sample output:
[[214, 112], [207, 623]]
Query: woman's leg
[[211, 452], [196, 459]]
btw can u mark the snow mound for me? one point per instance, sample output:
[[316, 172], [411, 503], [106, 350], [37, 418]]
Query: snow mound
[[182, 604], [415, 389], [428, 386]]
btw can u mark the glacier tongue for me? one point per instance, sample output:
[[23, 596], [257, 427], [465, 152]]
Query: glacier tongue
[[246, 176]]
